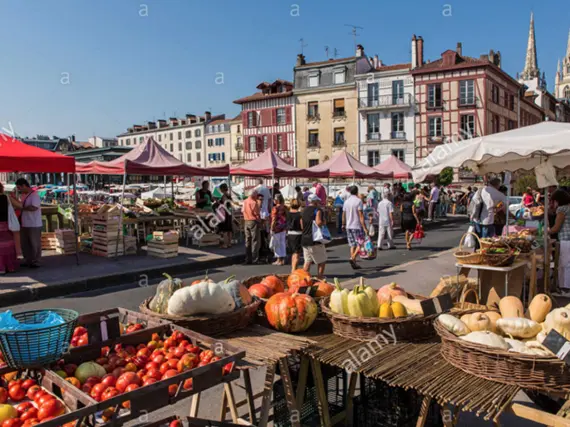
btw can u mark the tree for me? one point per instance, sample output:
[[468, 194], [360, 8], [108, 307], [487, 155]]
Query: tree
[[445, 177], [524, 181]]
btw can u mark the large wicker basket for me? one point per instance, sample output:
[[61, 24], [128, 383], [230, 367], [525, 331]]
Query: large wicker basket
[[209, 324], [531, 372], [412, 328], [500, 259], [463, 256]]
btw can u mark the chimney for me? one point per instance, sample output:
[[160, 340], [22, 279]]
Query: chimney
[[376, 62], [208, 116], [359, 51], [161, 123], [151, 125], [459, 49], [300, 60], [414, 52], [420, 51]]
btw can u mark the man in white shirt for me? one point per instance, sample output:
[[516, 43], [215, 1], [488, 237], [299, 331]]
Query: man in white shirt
[[433, 200], [353, 222], [485, 206], [386, 191], [385, 223], [31, 223], [264, 192]]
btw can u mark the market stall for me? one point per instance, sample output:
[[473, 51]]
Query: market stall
[[394, 167]]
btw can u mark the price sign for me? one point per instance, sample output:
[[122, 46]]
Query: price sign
[[559, 345], [308, 290], [437, 305]]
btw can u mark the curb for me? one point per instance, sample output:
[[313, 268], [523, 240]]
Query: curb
[[38, 291]]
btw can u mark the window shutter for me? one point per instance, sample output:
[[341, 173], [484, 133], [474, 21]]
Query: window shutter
[[288, 115], [254, 118], [274, 116], [246, 144], [244, 119], [259, 140], [274, 142], [285, 145]]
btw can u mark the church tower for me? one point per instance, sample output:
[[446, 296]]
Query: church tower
[[562, 83], [531, 70]]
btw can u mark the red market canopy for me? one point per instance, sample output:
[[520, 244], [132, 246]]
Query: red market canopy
[[270, 164], [395, 167], [343, 165], [17, 156], [149, 158]]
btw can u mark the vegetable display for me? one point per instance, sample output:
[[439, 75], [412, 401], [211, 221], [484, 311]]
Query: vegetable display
[[203, 298], [291, 312], [164, 291]]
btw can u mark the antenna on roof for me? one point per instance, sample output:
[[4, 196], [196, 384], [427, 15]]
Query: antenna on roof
[[327, 51], [354, 32], [335, 54], [303, 44]]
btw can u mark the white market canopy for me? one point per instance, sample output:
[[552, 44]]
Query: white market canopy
[[523, 148]]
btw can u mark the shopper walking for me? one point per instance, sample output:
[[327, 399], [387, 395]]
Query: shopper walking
[[294, 233], [31, 223], [224, 211], [313, 252], [562, 226], [278, 229], [252, 218], [354, 224], [8, 255], [433, 200], [385, 223], [409, 219]]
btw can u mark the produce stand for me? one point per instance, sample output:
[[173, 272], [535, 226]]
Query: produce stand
[[506, 271]]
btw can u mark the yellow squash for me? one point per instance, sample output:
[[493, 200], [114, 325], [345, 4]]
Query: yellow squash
[[359, 304], [339, 299]]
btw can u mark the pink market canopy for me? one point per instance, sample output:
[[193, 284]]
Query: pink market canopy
[[270, 164], [149, 158], [343, 165], [394, 167]]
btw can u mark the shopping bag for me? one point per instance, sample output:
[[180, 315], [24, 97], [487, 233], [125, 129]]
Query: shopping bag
[[368, 251], [272, 243], [470, 240], [371, 230], [13, 223], [321, 234], [419, 233]]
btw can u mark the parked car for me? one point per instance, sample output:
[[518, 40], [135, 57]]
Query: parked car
[[515, 204]]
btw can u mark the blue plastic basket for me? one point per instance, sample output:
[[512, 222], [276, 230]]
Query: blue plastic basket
[[38, 347]]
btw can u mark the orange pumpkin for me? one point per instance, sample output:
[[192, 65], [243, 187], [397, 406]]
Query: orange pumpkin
[[298, 279], [388, 292], [324, 289], [274, 283], [260, 290], [291, 312]]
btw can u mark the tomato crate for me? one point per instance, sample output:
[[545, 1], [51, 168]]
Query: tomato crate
[[113, 323], [175, 421], [70, 399], [132, 379]]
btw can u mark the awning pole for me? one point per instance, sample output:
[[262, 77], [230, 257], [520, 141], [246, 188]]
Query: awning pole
[[546, 245], [172, 188], [75, 215], [119, 231]]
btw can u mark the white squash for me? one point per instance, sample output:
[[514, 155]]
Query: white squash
[[453, 324], [487, 338], [559, 320], [518, 327], [516, 345], [203, 298], [538, 348]]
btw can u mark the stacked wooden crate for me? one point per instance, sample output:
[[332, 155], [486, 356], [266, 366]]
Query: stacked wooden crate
[[49, 241], [66, 242], [106, 230], [207, 239], [130, 245], [164, 244]]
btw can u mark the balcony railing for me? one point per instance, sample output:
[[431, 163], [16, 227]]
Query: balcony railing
[[398, 135], [436, 139], [239, 147], [340, 142], [313, 117], [374, 136], [386, 101], [339, 114], [313, 144]]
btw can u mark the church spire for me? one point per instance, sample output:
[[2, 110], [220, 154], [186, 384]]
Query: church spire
[[531, 70], [568, 47]]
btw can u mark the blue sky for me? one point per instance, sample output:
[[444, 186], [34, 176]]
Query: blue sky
[[96, 67]]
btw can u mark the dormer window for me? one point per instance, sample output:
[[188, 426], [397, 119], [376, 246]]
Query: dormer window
[[314, 79], [339, 76]]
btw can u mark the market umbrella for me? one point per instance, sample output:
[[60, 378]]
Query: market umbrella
[[343, 165], [395, 167], [271, 165]]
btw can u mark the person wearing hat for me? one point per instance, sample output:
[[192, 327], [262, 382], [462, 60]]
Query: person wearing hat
[[313, 252]]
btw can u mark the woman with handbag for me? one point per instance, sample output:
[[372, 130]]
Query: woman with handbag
[[279, 230], [8, 225]]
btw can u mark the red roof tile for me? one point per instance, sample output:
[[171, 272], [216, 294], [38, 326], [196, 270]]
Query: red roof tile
[[461, 62], [330, 61], [393, 67], [219, 122], [260, 95]]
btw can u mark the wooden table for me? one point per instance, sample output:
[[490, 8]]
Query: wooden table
[[465, 268]]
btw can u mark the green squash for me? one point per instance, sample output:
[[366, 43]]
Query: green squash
[[238, 291], [164, 291]]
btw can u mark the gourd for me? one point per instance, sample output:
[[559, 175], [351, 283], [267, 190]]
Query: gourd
[[511, 307], [539, 348], [539, 307], [195, 282], [386, 310], [238, 292], [486, 338], [478, 322], [324, 289], [339, 299], [165, 289], [413, 306], [518, 327], [359, 304], [389, 291], [399, 310], [559, 320], [453, 324], [516, 345], [298, 279], [371, 293], [274, 283], [206, 298], [291, 312], [493, 317]]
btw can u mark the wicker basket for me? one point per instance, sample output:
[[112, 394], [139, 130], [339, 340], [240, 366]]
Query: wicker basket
[[412, 328], [463, 305], [500, 260], [463, 256], [531, 372], [522, 244], [209, 324]]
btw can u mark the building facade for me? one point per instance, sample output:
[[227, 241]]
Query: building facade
[[460, 97], [386, 107], [100, 142], [218, 143], [327, 107], [183, 138], [236, 141], [562, 80], [268, 120]]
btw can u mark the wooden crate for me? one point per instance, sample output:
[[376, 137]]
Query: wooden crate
[[209, 239], [49, 241], [66, 242], [130, 245], [159, 249]]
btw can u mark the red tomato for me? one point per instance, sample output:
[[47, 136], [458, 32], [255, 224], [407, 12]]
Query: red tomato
[[151, 365], [12, 422], [145, 351], [187, 384], [131, 350], [28, 383], [23, 407], [14, 382], [4, 395], [228, 368], [140, 346], [105, 351], [109, 393], [183, 343], [39, 394], [175, 423], [177, 336], [130, 367], [141, 373], [83, 340], [206, 356], [149, 381], [97, 390], [170, 373], [87, 388], [16, 393], [158, 359], [172, 389], [117, 372], [29, 414], [154, 373], [109, 380], [31, 422], [164, 367], [94, 380], [188, 361], [129, 388], [79, 330], [126, 379], [193, 349], [202, 364], [179, 352], [51, 408]]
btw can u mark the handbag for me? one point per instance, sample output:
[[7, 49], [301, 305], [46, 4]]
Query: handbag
[[419, 233], [321, 234], [470, 240], [13, 223]]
